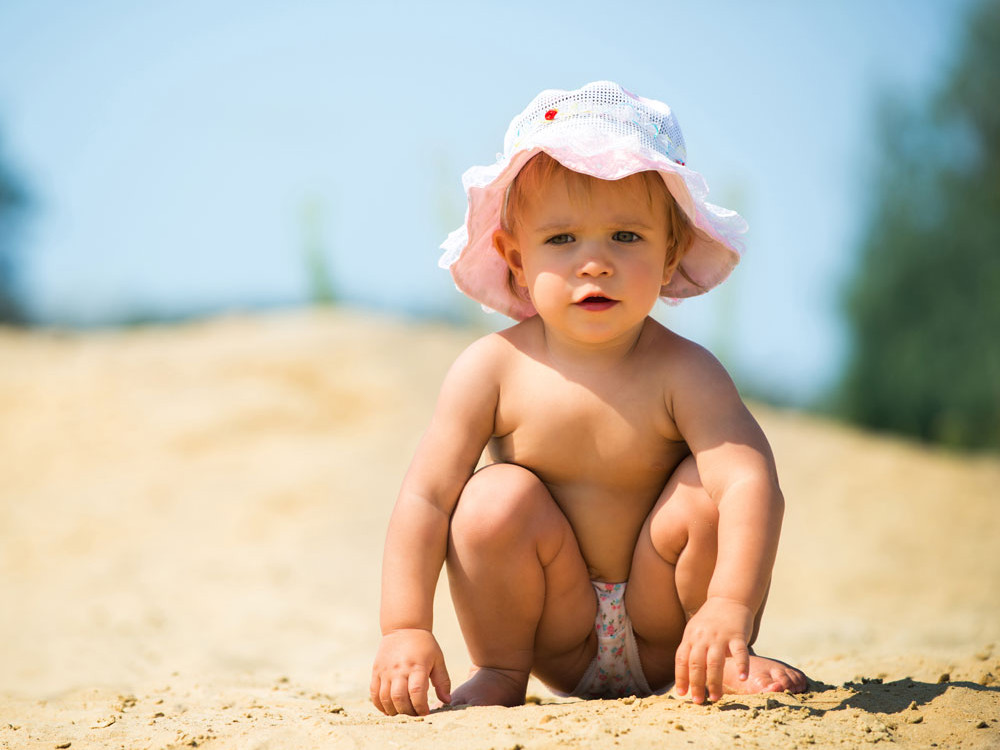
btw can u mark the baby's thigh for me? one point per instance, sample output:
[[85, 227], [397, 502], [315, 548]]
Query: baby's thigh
[[674, 557], [507, 526]]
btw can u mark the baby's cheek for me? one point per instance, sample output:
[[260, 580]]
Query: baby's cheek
[[549, 287]]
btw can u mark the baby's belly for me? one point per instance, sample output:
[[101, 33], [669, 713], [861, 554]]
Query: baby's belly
[[606, 527], [606, 498]]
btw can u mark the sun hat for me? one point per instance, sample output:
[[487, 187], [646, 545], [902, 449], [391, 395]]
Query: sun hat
[[603, 131]]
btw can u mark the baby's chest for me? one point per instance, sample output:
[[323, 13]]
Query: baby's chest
[[577, 430]]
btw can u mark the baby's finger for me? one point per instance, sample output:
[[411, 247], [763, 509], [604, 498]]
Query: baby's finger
[[741, 657], [418, 686], [696, 675], [715, 663], [400, 694], [441, 682], [681, 677], [385, 697], [373, 693]]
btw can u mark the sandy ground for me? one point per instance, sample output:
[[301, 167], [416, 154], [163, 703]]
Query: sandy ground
[[191, 522]]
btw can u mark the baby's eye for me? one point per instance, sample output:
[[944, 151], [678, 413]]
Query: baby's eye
[[560, 239], [624, 236]]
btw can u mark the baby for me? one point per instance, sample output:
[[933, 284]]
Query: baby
[[621, 538]]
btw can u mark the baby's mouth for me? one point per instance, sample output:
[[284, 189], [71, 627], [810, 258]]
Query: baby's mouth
[[596, 302]]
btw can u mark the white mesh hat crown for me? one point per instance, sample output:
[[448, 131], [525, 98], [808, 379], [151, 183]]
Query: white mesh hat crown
[[604, 131]]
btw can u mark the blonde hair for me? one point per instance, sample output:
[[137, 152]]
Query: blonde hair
[[541, 168]]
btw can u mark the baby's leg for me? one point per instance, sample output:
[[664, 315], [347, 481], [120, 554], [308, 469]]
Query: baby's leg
[[671, 569], [520, 587]]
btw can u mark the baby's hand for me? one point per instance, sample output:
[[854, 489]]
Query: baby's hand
[[721, 628], [404, 662]]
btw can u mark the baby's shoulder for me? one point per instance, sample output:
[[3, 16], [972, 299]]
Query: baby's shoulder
[[671, 349], [678, 360], [488, 355], [510, 344]]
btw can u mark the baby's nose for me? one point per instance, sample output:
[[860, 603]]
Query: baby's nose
[[594, 262]]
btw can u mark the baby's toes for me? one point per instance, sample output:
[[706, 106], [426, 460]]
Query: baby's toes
[[774, 680], [801, 682], [789, 679], [782, 680], [765, 682]]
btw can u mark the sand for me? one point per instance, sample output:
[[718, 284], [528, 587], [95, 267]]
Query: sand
[[191, 522]]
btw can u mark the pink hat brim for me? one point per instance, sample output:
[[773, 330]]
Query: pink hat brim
[[481, 273]]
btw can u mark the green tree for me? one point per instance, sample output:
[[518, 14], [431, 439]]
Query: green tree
[[13, 201], [924, 306]]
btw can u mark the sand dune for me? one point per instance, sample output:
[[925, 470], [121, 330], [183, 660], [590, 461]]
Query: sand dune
[[191, 520]]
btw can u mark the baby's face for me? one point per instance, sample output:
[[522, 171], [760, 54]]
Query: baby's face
[[592, 254]]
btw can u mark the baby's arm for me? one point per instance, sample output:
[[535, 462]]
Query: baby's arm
[[417, 539], [737, 469]]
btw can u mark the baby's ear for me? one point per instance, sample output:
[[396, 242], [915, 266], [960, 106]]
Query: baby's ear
[[670, 265], [505, 244]]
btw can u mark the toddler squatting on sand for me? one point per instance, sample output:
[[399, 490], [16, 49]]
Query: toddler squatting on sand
[[621, 539]]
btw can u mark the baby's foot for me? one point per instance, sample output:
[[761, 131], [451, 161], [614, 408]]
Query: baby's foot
[[765, 676], [491, 687]]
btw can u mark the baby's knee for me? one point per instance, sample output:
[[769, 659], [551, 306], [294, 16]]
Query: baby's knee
[[684, 509], [685, 478], [497, 503], [695, 512], [685, 497]]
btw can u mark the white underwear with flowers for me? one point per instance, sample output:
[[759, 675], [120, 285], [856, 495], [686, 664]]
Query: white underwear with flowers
[[615, 671]]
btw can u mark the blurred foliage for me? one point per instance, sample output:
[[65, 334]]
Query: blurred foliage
[[318, 275], [13, 203], [924, 307]]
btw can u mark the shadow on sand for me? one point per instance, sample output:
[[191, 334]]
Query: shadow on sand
[[871, 696]]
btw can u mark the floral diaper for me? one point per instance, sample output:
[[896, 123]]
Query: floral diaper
[[615, 671]]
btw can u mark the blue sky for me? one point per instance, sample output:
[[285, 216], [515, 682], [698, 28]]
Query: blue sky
[[175, 149]]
